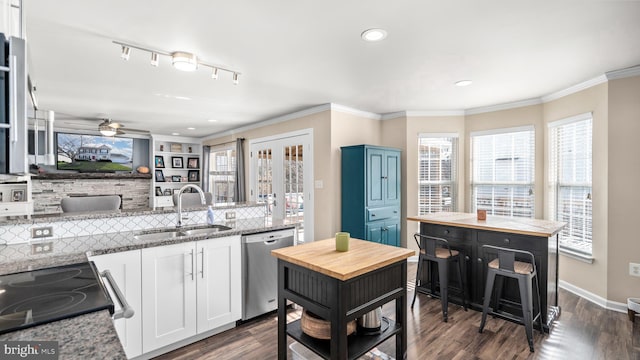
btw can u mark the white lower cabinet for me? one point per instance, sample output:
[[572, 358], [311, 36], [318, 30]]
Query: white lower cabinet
[[189, 288], [125, 270]]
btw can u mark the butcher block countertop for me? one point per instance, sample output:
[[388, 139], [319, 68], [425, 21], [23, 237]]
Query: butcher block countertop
[[513, 225], [363, 256]]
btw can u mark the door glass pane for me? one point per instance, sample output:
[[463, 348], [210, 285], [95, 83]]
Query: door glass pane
[[265, 179], [293, 186]]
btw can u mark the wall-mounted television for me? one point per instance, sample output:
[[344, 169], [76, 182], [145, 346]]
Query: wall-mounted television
[[92, 153]]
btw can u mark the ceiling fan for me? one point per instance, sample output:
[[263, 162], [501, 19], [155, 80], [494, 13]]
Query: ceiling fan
[[106, 126]]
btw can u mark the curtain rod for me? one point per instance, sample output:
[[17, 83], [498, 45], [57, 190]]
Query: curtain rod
[[226, 143]]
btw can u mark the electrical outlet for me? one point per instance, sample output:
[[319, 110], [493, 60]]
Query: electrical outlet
[[230, 215], [41, 248], [42, 232], [634, 269]]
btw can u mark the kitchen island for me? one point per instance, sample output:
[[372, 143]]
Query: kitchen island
[[467, 234], [340, 287]]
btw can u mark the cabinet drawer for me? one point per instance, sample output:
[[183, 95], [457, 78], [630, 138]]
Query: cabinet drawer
[[446, 232], [382, 213], [520, 242]]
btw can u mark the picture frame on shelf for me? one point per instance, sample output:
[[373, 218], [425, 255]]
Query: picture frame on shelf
[[0, 196], [158, 191], [176, 147], [193, 163], [167, 192], [159, 161], [194, 175], [176, 178], [159, 176], [17, 195], [176, 162]]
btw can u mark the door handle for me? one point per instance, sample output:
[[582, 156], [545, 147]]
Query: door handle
[[192, 265], [274, 200], [202, 263]]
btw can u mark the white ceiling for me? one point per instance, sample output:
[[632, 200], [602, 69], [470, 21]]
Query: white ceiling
[[294, 54]]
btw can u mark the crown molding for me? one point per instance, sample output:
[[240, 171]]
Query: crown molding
[[505, 106], [623, 73], [352, 111], [574, 89]]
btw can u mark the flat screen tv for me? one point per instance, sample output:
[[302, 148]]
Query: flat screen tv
[[92, 153]]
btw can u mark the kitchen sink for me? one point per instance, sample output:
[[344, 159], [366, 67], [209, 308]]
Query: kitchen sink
[[165, 235]]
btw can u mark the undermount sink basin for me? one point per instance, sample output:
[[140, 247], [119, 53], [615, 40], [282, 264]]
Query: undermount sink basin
[[164, 235]]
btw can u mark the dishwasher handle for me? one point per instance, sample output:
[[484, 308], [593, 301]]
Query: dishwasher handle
[[126, 310]]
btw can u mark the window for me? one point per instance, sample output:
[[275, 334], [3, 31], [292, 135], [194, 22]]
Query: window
[[570, 180], [503, 172], [437, 163], [222, 174]]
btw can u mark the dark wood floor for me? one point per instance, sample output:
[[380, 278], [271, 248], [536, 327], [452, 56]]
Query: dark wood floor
[[583, 331]]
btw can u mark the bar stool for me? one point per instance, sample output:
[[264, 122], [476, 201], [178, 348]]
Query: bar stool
[[525, 272], [437, 250]]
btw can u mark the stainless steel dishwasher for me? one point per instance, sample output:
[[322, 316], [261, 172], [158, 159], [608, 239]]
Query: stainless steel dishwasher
[[260, 271]]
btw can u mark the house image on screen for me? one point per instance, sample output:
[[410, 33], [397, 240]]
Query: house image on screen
[[94, 152]]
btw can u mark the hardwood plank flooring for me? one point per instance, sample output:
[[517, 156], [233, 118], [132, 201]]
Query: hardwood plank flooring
[[583, 331]]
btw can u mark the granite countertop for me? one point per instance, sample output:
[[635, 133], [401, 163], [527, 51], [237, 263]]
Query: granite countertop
[[89, 336], [92, 335]]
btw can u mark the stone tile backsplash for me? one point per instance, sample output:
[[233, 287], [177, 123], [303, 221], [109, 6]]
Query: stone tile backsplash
[[68, 229]]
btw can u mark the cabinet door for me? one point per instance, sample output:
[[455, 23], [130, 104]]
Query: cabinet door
[[375, 177], [374, 231], [391, 233], [391, 178], [126, 271], [169, 288], [219, 284]]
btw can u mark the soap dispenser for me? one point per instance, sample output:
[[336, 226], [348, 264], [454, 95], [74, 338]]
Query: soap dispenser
[[210, 218]]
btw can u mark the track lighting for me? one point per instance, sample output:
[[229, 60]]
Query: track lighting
[[181, 60], [125, 52], [154, 59]]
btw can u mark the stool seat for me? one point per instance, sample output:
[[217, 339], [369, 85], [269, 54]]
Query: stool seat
[[436, 251], [442, 253], [519, 267]]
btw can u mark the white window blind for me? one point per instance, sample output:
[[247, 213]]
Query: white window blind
[[570, 180], [503, 172], [222, 174], [437, 163]]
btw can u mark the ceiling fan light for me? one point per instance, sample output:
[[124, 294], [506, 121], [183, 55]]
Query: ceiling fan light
[[154, 59], [107, 130], [184, 61]]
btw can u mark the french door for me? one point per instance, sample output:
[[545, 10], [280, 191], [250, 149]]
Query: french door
[[281, 175]]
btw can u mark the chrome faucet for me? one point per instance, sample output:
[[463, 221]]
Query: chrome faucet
[[202, 199]]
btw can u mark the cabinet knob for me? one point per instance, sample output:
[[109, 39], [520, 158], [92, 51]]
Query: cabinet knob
[[446, 232], [373, 215], [467, 258], [506, 240], [479, 260]]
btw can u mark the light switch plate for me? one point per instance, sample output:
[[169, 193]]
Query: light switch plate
[[634, 269], [230, 215]]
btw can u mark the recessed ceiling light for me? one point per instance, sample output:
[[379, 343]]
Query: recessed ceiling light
[[463, 83], [175, 134], [191, 128], [212, 120], [373, 35]]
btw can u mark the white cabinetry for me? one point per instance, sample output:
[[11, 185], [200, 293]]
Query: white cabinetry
[[189, 288], [125, 269], [176, 162]]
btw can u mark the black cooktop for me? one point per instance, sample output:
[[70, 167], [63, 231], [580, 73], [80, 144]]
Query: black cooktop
[[38, 297]]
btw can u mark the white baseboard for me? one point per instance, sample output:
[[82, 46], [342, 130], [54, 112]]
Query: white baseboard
[[596, 299]]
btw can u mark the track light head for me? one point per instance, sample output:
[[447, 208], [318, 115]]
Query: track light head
[[125, 53], [154, 59], [214, 74], [235, 78]]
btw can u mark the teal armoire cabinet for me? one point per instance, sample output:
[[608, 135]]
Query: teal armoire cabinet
[[371, 193]]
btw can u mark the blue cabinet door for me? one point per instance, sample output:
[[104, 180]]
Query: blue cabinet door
[[391, 178], [375, 177], [391, 233], [375, 232]]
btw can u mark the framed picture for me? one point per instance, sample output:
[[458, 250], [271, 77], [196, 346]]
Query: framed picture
[[175, 178], [159, 176], [176, 161], [176, 147], [158, 191], [193, 163], [17, 195], [159, 161], [167, 192], [194, 175]]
